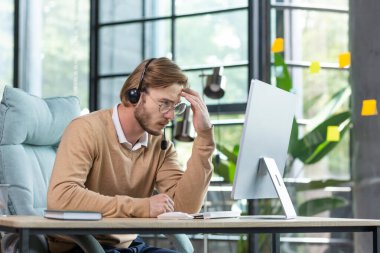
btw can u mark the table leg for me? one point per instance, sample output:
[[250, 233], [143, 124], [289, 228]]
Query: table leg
[[275, 243], [376, 240], [24, 240]]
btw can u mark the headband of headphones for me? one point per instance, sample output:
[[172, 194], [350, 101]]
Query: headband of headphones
[[143, 74]]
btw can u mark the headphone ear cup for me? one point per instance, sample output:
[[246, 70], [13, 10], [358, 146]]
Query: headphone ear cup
[[133, 95]]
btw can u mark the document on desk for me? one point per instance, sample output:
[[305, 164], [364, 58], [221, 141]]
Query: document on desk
[[216, 215], [204, 215], [72, 215]]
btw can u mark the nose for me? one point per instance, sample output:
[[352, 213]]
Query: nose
[[169, 115]]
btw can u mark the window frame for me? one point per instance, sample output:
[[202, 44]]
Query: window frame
[[257, 59]]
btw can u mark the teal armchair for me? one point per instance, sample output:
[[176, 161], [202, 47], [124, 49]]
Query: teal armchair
[[30, 131]]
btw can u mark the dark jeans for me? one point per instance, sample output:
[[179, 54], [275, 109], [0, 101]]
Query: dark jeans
[[137, 246]]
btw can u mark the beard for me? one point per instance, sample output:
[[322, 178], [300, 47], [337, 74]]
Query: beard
[[142, 117]]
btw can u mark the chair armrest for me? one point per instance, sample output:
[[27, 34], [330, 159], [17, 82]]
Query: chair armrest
[[181, 242], [38, 243], [88, 243], [10, 243]]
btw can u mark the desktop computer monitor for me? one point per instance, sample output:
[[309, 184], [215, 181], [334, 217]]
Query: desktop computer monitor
[[264, 145]]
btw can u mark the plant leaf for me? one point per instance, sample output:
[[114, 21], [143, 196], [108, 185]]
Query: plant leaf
[[231, 156], [236, 150], [231, 171], [313, 146], [222, 169], [283, 80], [242, 245], [327, 146], [319, 205], [293, 143]]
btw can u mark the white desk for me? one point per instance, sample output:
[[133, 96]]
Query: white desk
[[27, 225]]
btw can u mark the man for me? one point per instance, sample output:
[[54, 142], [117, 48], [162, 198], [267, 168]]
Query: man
[[110, 161]]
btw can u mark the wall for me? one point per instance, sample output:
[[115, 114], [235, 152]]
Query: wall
[[365, 74]]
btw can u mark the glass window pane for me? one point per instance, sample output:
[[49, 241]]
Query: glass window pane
[[124, 10], [339, 159], [228, 136], [65, 51], [316, 90], [235, 89], [158, 39], [325, 3], [183, 152], [314, 36], [212, 39], [120, 48], [154, 8], [118, 10], [6, 42], [109, 91], [185, 6]]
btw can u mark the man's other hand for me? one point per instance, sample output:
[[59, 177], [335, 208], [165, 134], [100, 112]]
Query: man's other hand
[[160, 203], [201, 118]]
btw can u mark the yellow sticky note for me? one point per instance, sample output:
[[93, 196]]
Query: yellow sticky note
[[278, 45], [344, 60], [315, 67], [333, 133], [369, 107]]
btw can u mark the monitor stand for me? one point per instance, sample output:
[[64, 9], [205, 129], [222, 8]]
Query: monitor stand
[[267, 164]]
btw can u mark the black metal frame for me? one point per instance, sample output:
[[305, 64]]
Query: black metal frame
[[94, 47], [94, 58], [258, 53], [275, 231], [16, 43]]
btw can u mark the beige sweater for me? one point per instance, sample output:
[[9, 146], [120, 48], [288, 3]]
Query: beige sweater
[[94, 172]]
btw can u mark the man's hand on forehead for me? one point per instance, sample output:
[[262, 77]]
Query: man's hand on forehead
[[201, 118]]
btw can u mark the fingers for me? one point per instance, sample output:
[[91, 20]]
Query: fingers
[[160, 203], [194, 98], [167, 208], [170, 205], [201, 118]]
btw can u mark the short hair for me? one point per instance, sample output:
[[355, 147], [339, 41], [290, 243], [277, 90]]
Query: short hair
[[161, 73]]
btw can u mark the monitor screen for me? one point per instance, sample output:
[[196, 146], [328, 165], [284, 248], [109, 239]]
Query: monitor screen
[[266, 133]]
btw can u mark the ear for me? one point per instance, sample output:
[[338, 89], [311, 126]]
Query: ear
[[142, 99]]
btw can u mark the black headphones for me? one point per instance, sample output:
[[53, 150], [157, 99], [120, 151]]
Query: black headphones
[[133, 95]]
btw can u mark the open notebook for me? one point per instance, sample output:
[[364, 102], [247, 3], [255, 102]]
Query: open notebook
[[204, 215]]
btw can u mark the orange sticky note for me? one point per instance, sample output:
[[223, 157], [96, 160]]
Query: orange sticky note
[[278, 45], [369, 107], [344, 59], [333, 133], [314, 67]]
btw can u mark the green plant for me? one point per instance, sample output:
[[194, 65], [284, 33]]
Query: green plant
[[313, 146], [309, 149]]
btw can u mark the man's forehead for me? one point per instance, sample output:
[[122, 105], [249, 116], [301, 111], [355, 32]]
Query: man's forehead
[[172, 93]]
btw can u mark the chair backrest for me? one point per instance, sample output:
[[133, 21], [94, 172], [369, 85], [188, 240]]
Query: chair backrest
[[30, 131]]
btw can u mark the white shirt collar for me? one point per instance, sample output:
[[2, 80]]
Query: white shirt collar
[[143, 141]]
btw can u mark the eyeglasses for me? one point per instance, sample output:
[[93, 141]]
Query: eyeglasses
[[166, 106]]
